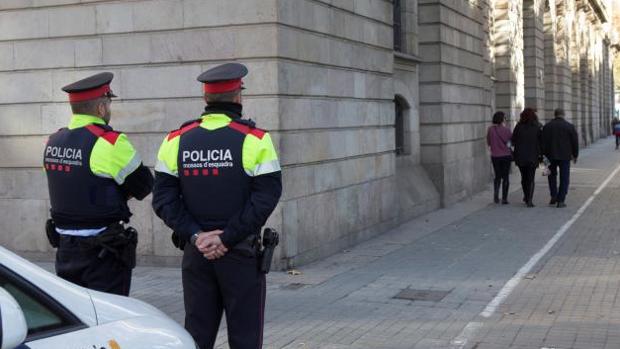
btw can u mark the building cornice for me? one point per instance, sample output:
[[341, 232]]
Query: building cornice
[[407, 57]]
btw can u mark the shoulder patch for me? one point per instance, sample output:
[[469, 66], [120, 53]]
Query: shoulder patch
[[245, 129], [109, 135], [184, 128]]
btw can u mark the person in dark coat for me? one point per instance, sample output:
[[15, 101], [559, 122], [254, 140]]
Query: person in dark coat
[[560, 146], [615, 126], [498, 139], [526, 139]]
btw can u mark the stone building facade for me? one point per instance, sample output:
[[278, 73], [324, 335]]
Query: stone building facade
[[378, 107]]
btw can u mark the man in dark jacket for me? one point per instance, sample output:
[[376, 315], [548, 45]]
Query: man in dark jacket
[[615, 127], [560, 146]]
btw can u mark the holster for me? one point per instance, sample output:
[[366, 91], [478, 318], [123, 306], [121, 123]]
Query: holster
[[269, 241], [177, 241], [52, 235], [250, 247], [121, 242]]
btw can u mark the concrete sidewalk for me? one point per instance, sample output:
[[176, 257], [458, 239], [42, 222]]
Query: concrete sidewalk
[[458, 259]]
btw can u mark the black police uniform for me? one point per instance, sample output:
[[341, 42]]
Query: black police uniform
[[89, 193], [203, 185]]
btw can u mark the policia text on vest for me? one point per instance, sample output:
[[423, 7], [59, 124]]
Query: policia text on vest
[[217, 180], [92, 171]]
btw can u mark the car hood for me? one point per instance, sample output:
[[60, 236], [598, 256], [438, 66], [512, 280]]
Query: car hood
[[110, 307], [149, 327]]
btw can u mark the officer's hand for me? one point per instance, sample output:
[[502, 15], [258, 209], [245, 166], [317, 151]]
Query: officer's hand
[[215, 249], [210, 244], [215, 254], [203, 238]]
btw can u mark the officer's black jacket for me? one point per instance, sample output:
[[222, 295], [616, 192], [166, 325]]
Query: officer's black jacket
[[139, 183], [264, 196]]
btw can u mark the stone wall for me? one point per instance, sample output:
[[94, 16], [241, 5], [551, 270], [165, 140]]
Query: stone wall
[[455, 95], [416, 192], [45, 44], [324, 79], [323, 88], [336, 113]]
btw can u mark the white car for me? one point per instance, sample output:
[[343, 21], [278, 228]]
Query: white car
[[39, 310]]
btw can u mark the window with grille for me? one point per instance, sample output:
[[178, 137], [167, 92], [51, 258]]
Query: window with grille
[[399, 126], [398, 18]]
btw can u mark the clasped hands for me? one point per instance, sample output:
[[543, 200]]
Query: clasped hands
[[210, 244]]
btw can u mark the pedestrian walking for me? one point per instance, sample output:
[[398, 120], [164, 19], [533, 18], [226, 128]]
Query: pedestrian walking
[[217, 180], [498, 140], [560, 146], [526, 139], [615, 126], [92, 171]]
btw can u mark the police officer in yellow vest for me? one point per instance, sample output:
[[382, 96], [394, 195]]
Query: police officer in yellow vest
[[92, 171], [217, 180]]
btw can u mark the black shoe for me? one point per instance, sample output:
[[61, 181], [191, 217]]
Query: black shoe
[[561, 204], [504, 202], [530, 204], [553, 202], [496, 200]]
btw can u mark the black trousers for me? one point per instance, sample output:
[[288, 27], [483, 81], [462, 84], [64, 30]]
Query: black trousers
[[528, 175], [81, 264], [232, 285], [559, 193], [501, 167]]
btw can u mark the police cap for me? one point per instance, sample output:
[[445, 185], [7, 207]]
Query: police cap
[[92, 87], [223, 78]]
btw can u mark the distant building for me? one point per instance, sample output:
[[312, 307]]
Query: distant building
[[379, 108]]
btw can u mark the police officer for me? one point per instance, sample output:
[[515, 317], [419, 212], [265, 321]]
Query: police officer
[[92, 171], [217, 180]]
